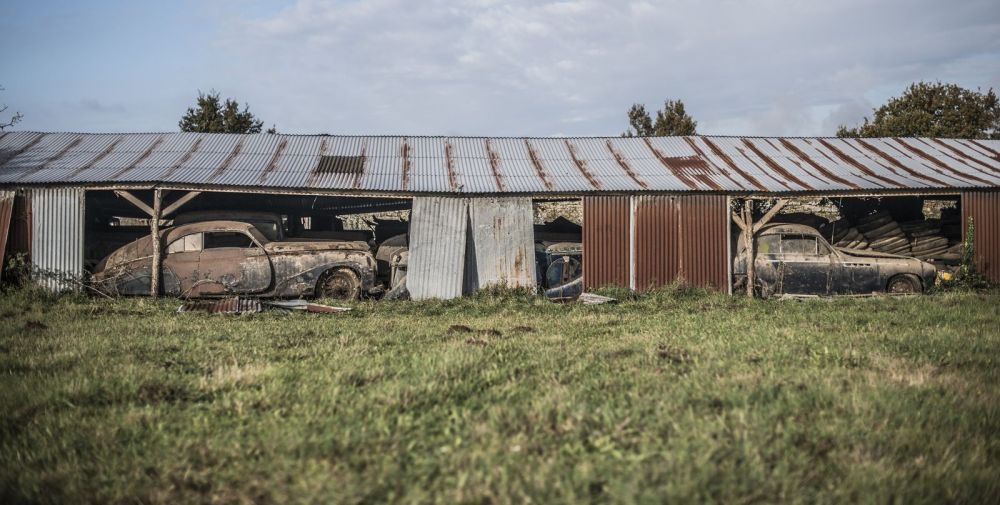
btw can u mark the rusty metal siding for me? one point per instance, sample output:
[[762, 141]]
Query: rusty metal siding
[[657, 233], [704, 232], [57, 236], [681, 238], [606, 231], [984, 208], [503, 236], [437, 247]]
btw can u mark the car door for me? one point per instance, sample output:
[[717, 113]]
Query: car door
[[232, 262], [180, 265], [804, 269], [855, 275]]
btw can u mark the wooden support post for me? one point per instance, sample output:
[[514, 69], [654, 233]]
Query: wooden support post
[[154, 226], [780, 204]]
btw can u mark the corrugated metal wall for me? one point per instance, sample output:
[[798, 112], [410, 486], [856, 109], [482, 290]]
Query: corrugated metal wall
[[502, 232], [657, 233], [437, 247], [57, 236], [606, 238], [704, 231], [984, 208], [655, 240]]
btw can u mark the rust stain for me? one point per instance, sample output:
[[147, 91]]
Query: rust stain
[[364, 164], [773, 165], [537, 163], [184, 159], [405, 151], [97, 158], [938, 163], [962, 155], [449, 165], [856, 164], [677, 166], [728, 160], [495, 165], [894, 162], [625, 166], [702, 173], [52, 158], [878, 161], [15, 153], [826, 173], [993, 153], [228, 161], [581, 165], [763, 171], [889, 163], [885, 156], [273, 163], [145, 154]]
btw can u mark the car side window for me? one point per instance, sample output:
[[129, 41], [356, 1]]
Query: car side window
[[220, 239], [187, 243], [768, 244], [798, 244]]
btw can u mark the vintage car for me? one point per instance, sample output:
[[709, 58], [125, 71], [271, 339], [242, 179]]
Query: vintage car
[[223, 258], [796, 259]]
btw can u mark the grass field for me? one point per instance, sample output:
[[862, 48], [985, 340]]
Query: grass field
[[678, 396]]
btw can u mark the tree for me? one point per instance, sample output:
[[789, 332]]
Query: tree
[[672, 120], [212, 115], [934, 110], [16, 118]]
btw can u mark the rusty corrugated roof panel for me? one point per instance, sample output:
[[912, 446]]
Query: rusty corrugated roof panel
[[485, 165]]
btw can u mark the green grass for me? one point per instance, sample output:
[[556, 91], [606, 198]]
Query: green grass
[[678, 396]]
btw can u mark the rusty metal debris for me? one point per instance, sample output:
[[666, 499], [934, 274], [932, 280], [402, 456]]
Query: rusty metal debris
[[239, 305]]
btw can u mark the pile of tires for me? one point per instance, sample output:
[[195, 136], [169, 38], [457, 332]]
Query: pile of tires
[[934, 239]]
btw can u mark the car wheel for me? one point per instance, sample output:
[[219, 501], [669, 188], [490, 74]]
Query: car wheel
[[902, 284], [340, 284]]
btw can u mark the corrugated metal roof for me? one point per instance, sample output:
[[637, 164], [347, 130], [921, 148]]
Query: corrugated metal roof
[[482, 165]]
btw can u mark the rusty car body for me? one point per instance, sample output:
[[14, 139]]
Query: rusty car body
[[225, 258], [795, 259]]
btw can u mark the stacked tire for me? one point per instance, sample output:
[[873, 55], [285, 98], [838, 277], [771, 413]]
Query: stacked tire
[[935, 239]]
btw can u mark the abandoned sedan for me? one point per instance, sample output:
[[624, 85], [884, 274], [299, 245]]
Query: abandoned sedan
[[222, 258], [795, 259]]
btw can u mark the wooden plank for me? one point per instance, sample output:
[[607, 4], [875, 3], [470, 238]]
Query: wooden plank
[[135, 201], [154, 226], [179, 202]]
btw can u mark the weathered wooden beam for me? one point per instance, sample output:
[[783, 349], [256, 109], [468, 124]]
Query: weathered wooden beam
[[179, 202], [135, 201], [154, 226], [775, 209], [739, 221]]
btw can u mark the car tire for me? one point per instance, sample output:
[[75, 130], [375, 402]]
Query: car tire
[[339, 284], [903, 284]]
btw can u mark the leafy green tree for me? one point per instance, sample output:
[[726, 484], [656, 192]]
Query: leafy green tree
[[14, 119], [672, 120], [934, 110], [213, 115]]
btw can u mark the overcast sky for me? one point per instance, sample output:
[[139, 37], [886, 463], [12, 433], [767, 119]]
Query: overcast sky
[[486, 67]]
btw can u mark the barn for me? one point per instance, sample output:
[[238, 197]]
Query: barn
[[654, 210]]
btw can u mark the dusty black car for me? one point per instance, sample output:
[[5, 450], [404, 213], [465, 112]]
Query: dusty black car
[[796, 259], [224, 258]]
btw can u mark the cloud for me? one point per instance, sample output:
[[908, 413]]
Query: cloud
[[527, 67]]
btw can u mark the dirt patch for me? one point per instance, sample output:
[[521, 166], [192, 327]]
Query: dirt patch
[[35, 326], [673, 354], [459, 328], [477, 341]]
